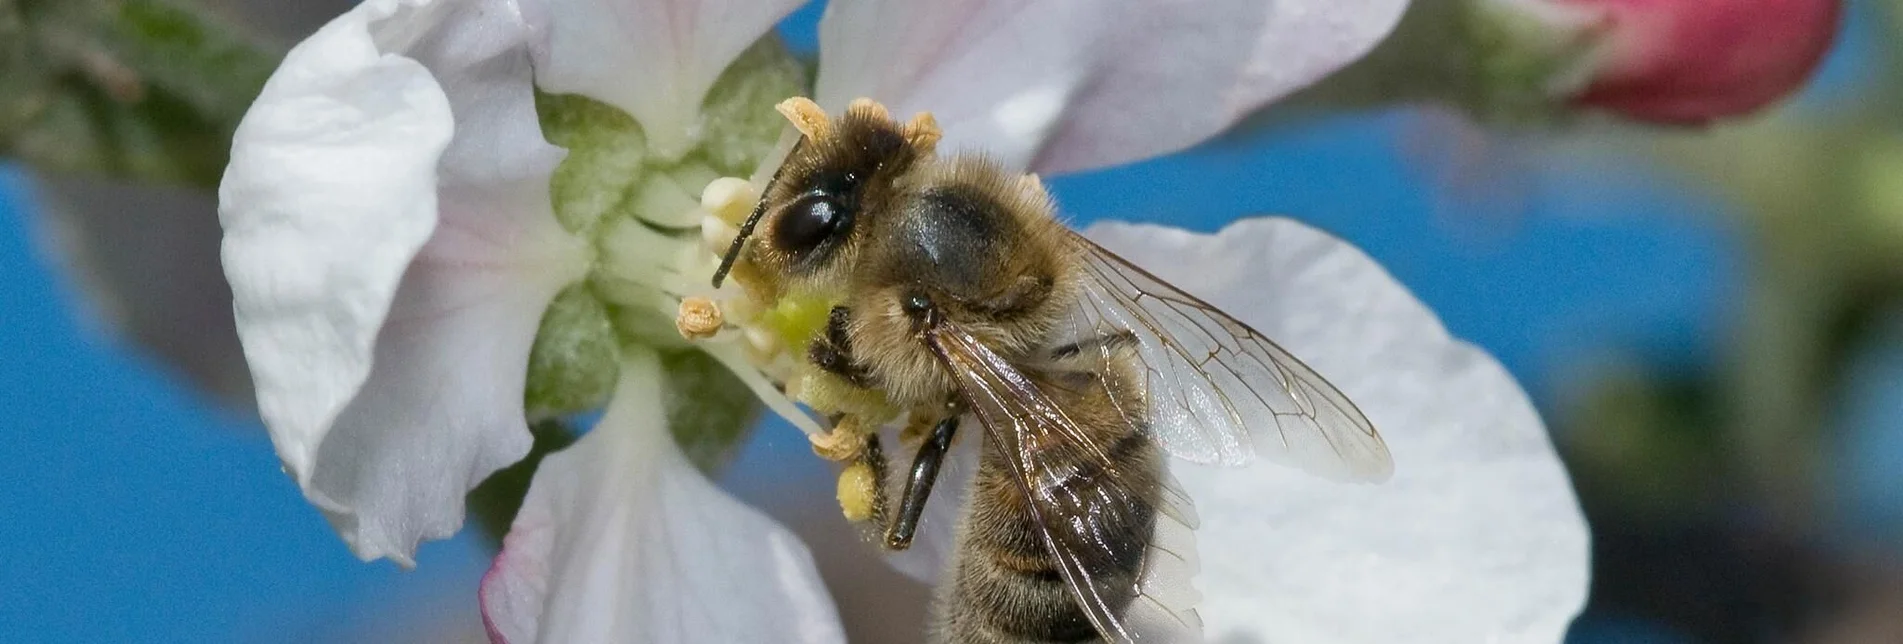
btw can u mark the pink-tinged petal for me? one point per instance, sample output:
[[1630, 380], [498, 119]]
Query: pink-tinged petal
[[1691, 61], [621, 540], [391, 247], [1476, 538], [654, 59], [1063, 85]]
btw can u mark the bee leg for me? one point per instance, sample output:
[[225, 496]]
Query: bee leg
[[918, 487], [832, 351]]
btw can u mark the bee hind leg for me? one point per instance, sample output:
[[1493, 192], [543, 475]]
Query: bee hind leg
[[862, 483]]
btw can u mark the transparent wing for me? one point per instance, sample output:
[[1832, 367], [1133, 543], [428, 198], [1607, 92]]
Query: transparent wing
[[1213, 390], [1049, 454]]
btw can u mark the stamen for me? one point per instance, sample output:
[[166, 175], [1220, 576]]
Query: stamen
[[807, 117], [716, 234], [923, 133], [762, 385], [664, 202], [762, 342], [870, 107], [730, 199], [740, 309], [638, 253], [699, 318]]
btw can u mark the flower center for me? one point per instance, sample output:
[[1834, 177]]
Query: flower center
[[640, 210]]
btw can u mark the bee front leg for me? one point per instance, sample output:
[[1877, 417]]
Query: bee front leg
[[832, 351]]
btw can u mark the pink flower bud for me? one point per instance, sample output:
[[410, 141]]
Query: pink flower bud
[[1686, 62]]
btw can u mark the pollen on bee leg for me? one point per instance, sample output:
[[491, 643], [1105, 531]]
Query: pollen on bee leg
[[699, 318], [858, 491], [807, 116]]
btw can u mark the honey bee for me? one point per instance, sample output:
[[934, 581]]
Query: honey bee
[[954, 294]]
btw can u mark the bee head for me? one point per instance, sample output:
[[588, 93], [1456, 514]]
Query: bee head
[[840, 172]]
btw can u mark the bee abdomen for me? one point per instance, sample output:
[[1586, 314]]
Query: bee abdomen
[[1008, 588]]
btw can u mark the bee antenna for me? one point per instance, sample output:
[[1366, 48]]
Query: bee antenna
[[759, 210]]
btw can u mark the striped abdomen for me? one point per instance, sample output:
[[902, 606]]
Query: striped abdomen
[[1005, 585]]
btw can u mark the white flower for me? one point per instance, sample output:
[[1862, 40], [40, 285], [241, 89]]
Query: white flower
[[393, 243]]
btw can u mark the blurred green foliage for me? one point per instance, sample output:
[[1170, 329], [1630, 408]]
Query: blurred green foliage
[[141, 89], [1711, 491]]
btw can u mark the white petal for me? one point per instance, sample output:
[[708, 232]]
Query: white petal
[[1477, 538], [1062, 85], [654, 59], [997, 74], [339, 176], [622, 540]]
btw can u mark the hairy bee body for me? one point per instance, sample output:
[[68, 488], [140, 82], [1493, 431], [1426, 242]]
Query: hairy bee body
[[988, 248], [954, 293], [1005, 585], [867, 215]]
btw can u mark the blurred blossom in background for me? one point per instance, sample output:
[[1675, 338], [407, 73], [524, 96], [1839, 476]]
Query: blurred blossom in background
[[1710, 319]]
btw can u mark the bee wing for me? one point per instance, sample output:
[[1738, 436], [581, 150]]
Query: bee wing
[[1030, 430], [1213, 390]]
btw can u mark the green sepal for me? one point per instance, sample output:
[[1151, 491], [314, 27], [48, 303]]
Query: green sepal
[[739, 124], [606, 158], [575, 361], [709, 411]]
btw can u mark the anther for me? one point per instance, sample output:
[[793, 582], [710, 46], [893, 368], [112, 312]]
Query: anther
[[698, 318], [807, 116], [730, 199], [716, 234]]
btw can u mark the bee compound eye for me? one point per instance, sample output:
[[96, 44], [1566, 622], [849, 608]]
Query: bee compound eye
[[808, 223]]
